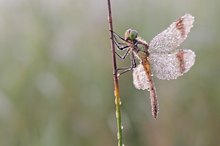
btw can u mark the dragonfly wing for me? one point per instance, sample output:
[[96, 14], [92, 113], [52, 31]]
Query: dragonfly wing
[[173, 36], [140, 79], [171, 66]]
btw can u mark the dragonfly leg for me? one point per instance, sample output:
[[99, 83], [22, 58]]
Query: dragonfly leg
[[123, 56], [115, 34], [120, 46], [127, 69], [133, 61], [121, 42]]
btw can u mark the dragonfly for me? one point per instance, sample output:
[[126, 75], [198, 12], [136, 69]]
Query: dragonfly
[[161, 57]]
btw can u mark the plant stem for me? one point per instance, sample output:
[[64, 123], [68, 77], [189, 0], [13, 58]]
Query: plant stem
[[115, 78]]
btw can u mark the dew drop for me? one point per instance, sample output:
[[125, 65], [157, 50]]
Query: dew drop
[[122, 127], [116, 114], [120, 103]]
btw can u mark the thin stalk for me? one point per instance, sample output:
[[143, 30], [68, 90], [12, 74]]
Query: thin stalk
[[115, 78]]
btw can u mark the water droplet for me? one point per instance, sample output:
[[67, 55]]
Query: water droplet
[[123, 145], [115, 101], [116, 114], [152, 75], [122, 127]]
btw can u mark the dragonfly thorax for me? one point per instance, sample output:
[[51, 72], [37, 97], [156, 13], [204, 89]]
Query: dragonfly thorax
[[137, 44]]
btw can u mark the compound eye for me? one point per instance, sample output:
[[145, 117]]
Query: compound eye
[[133, 34]]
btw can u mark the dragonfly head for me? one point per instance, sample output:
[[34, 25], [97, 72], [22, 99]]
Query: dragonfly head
[[131, 34]]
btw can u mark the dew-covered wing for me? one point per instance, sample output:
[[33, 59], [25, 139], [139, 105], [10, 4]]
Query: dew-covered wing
[[171, 66], [140, 78], [173, 36]]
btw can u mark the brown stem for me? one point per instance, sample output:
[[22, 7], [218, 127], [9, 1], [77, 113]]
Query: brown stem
[[115, 78]]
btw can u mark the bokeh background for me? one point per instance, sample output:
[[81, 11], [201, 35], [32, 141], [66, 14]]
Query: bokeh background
[[56, 85]]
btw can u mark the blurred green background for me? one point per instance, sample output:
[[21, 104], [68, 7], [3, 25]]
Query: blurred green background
[[56, 85]]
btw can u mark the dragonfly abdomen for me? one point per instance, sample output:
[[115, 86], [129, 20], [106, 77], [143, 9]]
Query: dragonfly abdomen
[[152, 89]]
